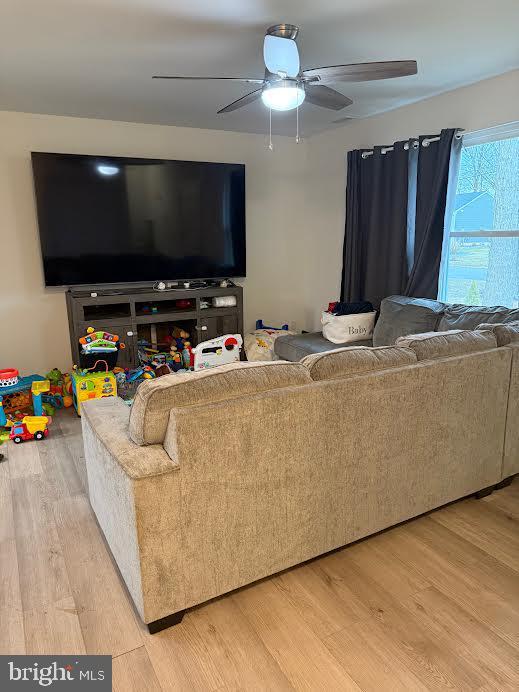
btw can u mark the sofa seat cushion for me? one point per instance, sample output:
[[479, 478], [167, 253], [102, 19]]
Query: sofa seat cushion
[[354, 360], [505, 333], [154, 400], [452, 343], [293, 347], [400, 315], [471, 316]]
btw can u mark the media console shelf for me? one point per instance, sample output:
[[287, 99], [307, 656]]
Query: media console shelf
[[141, 312]]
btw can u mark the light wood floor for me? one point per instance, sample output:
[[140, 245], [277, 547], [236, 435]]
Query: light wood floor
[[431, 604]]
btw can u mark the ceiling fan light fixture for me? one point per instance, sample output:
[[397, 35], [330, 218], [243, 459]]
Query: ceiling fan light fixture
[[284, 95]]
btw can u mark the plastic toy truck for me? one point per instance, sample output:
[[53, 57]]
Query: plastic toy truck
[[29, 428]]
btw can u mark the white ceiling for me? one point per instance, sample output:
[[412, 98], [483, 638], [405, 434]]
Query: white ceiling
[[95, 58]]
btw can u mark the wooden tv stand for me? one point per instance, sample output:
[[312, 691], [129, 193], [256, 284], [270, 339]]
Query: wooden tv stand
[[128, 313]]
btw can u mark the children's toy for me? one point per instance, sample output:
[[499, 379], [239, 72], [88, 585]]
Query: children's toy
[[187, 356], [55, 376], [17, 398], [180, 336], [59, 394], [38, 387], [260, 325], [146, 373], [48, 410], [3, 417], [176, 364], [29, 428], [259, 345], [8, 377], [97, 345], [92, 385], [163, 370], [219, 351]]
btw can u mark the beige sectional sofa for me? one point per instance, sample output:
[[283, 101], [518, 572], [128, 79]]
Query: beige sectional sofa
[[216, 479]]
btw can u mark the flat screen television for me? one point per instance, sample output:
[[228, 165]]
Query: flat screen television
[[105, 220]]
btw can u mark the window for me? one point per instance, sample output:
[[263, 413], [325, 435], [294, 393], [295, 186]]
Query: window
[[480, 263]]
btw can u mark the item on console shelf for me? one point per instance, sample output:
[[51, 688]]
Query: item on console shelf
[[150, 309], [338, 308], [220, 351], [204, 303], [180, 336], [184, 304], [96, 344], [156, 360], [259, 345], [348, 328], [224, 301]]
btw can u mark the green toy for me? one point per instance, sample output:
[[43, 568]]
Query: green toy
[[49, 409], [55, 376]]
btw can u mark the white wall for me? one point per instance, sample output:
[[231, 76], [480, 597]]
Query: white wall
[[33, 320], [485, 104]]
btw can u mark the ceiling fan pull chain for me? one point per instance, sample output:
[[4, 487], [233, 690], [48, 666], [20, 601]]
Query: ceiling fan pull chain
[[271, 146], [298, 138]]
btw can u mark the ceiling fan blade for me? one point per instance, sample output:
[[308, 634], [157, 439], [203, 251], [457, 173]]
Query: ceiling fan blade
[[281, 55], [363, 71], [243, 101], [323, 96], [248, 80]]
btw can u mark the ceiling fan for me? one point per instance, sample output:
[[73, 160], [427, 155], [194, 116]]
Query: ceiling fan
[[285, 86]]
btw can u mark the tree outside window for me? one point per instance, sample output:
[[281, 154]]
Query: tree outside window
[[483, 249]]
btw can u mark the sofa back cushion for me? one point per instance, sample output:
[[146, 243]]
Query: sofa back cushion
[[154, 400], [471, 316], [452, 343], [505, 333], [400, 315], [343, 362]]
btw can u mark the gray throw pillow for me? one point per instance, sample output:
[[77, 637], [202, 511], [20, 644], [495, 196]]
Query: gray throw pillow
[[400, 315]]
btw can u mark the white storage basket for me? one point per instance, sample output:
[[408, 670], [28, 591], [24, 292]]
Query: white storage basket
[[343, 329]]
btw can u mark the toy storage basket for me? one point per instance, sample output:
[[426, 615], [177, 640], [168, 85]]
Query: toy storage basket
[[87, 360]]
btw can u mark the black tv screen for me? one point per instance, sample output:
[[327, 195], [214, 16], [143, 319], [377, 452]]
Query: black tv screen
[[120, 220]]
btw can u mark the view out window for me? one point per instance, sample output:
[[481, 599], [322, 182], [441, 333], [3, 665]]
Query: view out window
[[481, 266]]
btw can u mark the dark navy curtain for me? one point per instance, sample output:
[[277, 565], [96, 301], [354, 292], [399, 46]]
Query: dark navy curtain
[[395, 208], [431, 196]]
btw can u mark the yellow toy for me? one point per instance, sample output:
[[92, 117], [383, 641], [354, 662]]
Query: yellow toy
[[92, 385], [29, 428]]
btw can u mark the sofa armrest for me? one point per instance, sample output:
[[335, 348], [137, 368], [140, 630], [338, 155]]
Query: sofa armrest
[[108, 419], [135, 494]]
